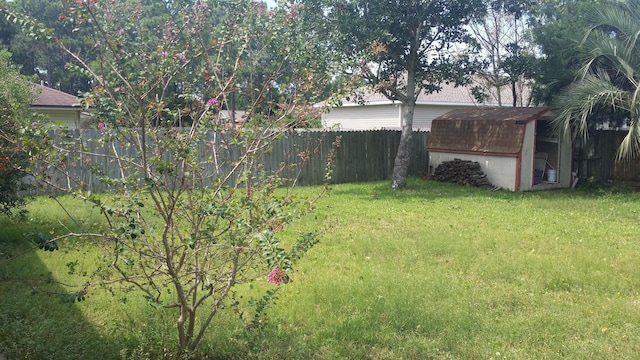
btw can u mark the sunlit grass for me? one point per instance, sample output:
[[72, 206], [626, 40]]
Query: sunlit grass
[[448, 272], [434, 271]]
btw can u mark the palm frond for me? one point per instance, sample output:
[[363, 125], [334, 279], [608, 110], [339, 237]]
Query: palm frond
[[609, 80], [580, 100], [612, 52], [630, 146]]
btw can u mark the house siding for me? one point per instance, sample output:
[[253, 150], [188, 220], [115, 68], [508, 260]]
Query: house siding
[[424, 115], [372, 117], [375, 117], [64, 117]]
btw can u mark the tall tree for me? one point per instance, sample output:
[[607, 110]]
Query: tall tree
[[608, 82], [401, 48], [45, 59], [557, 28], [506, 50]]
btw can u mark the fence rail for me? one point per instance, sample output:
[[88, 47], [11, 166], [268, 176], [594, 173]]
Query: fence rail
[[361, 156]]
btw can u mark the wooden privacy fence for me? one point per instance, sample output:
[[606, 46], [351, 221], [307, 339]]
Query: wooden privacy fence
[[361, 156], [596, 158]]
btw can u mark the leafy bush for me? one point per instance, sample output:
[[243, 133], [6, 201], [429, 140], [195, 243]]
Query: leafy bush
[[16, 94]]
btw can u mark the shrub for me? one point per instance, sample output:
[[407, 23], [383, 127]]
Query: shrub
[[16, 94]]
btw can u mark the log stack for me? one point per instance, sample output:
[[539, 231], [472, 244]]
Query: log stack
[[462, 172]]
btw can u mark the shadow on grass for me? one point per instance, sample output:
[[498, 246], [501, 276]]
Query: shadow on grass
[[35, 320]]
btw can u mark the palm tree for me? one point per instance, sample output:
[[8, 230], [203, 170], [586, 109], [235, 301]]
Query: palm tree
[[609, 80]]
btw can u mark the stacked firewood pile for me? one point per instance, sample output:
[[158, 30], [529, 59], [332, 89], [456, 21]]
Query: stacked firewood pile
[[463, 172]]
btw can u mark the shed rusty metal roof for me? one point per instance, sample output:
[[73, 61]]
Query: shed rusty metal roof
[[496, 130]]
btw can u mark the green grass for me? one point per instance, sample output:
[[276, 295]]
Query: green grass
[[432, 272]]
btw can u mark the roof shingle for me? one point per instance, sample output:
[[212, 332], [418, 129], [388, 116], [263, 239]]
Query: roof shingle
[[54, 98]]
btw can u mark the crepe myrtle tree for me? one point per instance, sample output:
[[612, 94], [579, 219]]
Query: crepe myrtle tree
[[402, 48], [191, 211]]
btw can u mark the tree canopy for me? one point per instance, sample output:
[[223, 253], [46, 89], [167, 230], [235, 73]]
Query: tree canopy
[[41, 58], [606, 88], [506, 50], [401, 48], [557, 28]]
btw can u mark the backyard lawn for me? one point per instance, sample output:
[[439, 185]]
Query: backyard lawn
[[436, 271]]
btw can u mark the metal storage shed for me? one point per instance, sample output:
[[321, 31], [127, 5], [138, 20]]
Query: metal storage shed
[[505, 142]]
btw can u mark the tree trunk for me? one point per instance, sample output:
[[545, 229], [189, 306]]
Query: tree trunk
[[403, 155]]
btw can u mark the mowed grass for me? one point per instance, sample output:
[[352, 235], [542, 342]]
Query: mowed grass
[[436, 271]]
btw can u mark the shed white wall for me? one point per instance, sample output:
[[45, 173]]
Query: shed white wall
[[527, 160], [500, 170], [371, 117]]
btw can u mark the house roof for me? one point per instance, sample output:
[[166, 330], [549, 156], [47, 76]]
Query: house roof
[[497, 130], [48, 97], [452, 95]]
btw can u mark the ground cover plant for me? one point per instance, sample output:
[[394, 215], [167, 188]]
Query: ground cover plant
[[434, 271]]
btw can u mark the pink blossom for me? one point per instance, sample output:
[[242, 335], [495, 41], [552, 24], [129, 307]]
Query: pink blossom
[[212, 102], [277, 276], [121, 31], [270, 13], [34, 124], [97, 44], [101, 125], [180, 56]]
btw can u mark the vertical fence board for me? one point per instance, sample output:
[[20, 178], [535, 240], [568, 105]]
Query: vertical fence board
[[595, 158]]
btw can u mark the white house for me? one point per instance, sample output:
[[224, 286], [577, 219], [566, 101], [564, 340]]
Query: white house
[[378, 112]]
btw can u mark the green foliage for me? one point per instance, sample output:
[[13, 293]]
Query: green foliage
[[273, 254], [183, 228], [44, 242], [37, 55], [413, 49], [607, 84], [256, 335], [558, 30], [16, 94]]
